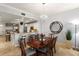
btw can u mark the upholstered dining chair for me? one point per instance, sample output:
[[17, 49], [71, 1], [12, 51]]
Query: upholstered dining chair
[[50, 48], [54, 44], [47, 50], [24, 50]]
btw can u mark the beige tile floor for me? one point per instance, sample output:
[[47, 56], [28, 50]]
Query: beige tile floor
[[7, 49]]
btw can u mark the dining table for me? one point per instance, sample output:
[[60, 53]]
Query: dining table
[[37, 44]]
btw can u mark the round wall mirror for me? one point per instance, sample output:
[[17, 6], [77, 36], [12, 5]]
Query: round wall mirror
[[56, 27]]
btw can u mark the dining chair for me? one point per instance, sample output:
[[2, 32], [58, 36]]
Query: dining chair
[[47, 50], [24, 50], [50, 48], [54, 44]]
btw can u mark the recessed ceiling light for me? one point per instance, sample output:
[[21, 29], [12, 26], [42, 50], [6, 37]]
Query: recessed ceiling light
[[1, 25], [17, 19], [43, 3], [44, 17], [23, 14]]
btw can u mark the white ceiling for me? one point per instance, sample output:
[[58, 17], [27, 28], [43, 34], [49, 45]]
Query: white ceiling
[[7, 17], [13, 10], [47, 9]]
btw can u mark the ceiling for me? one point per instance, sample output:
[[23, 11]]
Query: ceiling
[[7, 17], [34, 9], [44, 9]]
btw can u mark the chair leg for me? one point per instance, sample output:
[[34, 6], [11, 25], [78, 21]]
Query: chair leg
[[48, 53], [54, 50], [51, 52], [23, 54]]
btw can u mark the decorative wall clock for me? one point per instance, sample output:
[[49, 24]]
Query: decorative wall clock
[[56, 27]]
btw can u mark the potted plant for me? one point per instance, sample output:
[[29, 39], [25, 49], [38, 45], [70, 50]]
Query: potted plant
[[68, 39], [69, 35]]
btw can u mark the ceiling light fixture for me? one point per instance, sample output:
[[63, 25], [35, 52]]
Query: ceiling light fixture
[[23, 14], [1, 25], [43, 16], [17, 19], [22, 19], [43, 3]]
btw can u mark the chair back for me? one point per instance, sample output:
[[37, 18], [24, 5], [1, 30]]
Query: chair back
[[49, 47], [22, 47], [54, 41], [51, 44]]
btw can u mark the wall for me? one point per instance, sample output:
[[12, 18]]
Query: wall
[[65, 18], [2, 30]]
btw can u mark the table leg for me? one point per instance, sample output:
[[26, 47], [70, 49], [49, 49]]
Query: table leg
[[37, 52]]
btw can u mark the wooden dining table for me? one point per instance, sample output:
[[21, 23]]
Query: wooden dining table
[[36, 44]]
